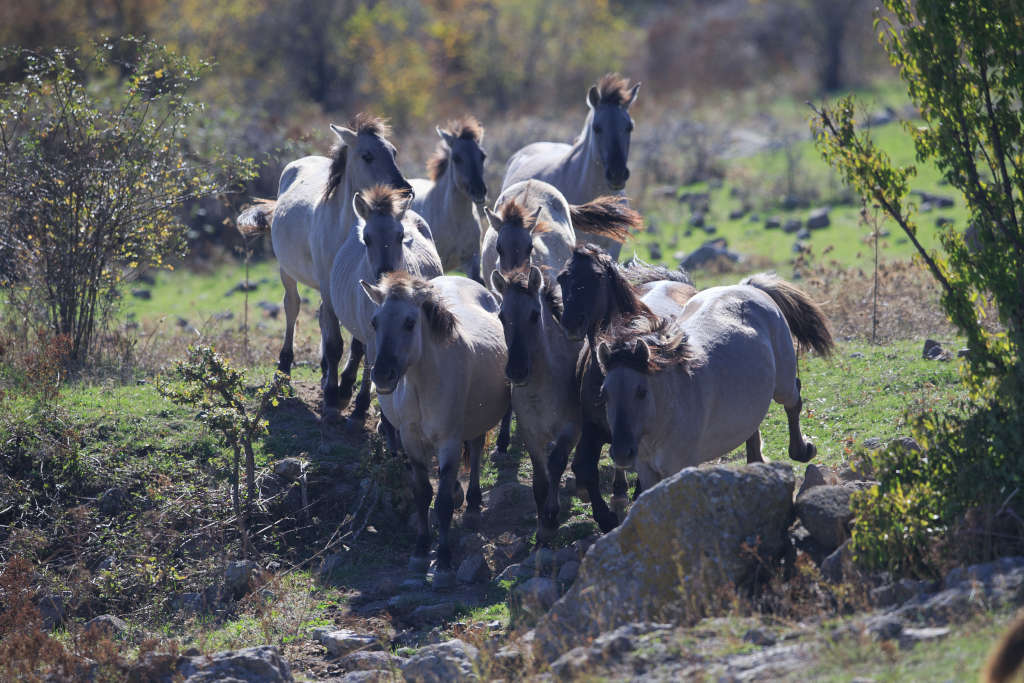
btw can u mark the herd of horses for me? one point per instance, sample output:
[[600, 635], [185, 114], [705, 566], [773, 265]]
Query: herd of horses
[[584, 350]]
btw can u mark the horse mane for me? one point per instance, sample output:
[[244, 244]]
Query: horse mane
[[627, 302], [669, 346], [639, 272], [613, 88], [361, 123], [404, 287], [549, 292], [384, 199], [513, 214], [464, 128]]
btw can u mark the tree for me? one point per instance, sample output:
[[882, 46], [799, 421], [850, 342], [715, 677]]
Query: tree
[[92, 176], [962, 66]]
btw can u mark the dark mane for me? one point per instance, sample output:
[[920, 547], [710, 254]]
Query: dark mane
[[403, 286], [465, 128], [549, 293], [639, 272], [513, 214], [361, 123], [385, 199], [624, 296], [613, 88], [669, 346]]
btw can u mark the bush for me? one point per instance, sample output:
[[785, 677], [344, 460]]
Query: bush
[[91, 178]]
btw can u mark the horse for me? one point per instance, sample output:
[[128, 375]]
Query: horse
[[438, 372], [595, 291], [447, 199], [388, 236], [681, 392], [541, 362], [596, 163], [309, 221]]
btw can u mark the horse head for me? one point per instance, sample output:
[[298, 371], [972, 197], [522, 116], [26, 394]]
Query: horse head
[[611, 125], [382, 211], [464, 154]]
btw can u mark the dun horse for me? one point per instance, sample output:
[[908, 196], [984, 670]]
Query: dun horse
[[446, 201], [309, 221], [438, 372], [596, 163], [679, 393]]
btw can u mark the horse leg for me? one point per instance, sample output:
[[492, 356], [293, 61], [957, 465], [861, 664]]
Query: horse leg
[[362, 405], [504, 436], [800, 448], [474, 499], [474, 270], [332, 346], [448, 464], [541, 487], [422, 494], [638, 489], [291, 313], [620, 492], [390, 434], [356, 350], [584, 467], [558, 458], [754, 448]]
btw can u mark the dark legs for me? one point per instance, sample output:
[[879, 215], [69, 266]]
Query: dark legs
[[291, 313], [754, 448], [504, 436], [422, 495], [448, 460], [356, 350], [332, 347], [547, 514], [800, 449], [474, 499], [584, 466]]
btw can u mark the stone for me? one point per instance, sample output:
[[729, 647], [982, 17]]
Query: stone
[[710, 251], [509, 657], [884, 627], [541, 562], [192, 603], [570, 665], [825, 513], [872, 443], [534, 597], [262, 664], [906, 443], [772, 223], [143, 294], [696, 524], [289, 469], [792, 225], [473, 569], [239, 577], [803, 234], [836, 566], [112, 501], [107, 624], [433, 614], [759, 636], [814, 475], [369, 661], [818, 219], [454, 660], [566, 554], [344, 641], [567, 573], [933, 351], [655, 250], [912, 636], [737, 214], [52, 609], [369, 676], [513, 572], [943, 221], [697, 219]]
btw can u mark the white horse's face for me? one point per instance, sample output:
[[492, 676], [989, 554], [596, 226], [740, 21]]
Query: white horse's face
[[520, 315], [610, 130], [628, 402], [467, 164], [385, 239], [515, 242], [399, 342], [371, 160]]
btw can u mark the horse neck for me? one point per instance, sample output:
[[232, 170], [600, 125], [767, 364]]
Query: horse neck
[[428, 371], [457, 204], [582, 171]]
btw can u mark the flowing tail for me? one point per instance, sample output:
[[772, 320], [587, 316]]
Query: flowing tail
[[257, 218], [608, 216], [1006, 658], [805, 319]]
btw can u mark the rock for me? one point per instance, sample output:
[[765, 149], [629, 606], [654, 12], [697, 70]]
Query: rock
[[814, 475], [263, 664], [107, 624], [906, 443], [772, 223], [192, 603], [803, 234], [737, 214], [433, 614], [112, 501], [541, 562], [454, 660], [694, 524], [759, 636], [933, 351], [513, 572], [856, 354], [818, 219], [369, 661], [963, 353], [270, 309], [509, 658], [825, 512], [143, 294], [331, 564], [872, 443], [697, 219], [712, 250], [240, 577], [912, 636], [345, 641], [473, 569], [710, 229], [884, 627], [943, 221], [243, 286], [534, 597], [837, 566], [369, 676], [52, 609], [572, 664], [792, 225], [652, 228], [655, 250], [289, 469], [566, 554], [568, 572]]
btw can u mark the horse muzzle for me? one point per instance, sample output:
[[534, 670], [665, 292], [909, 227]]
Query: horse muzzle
[[623, 454], [617, 181], [386, 381]]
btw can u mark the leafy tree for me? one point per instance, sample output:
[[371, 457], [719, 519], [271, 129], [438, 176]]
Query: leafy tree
[[962, 66], [92, 177]]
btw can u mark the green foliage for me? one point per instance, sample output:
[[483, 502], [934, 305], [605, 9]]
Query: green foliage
[[961, 64], [92, 177]]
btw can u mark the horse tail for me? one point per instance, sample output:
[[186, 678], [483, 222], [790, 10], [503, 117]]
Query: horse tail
[[1006, 658], [256, 219], [805, 318], [608, 216]]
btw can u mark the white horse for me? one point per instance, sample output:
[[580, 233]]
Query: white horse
[[387, 237], [447, 199], [541, 367], [438, 372], [595, 164], [309, 221], [679, 393]]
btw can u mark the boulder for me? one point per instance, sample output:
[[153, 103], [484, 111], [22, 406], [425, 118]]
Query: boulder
[[340, 642], [52, 609], [369, 661], [454, 660], [710, 251], [684, 539], [535, 596], [473, 569], [112, 501], [239, 577], [772, 223], [107, 624], [289, 469], [839, 565], [263, 664], [792, 225], [818, 218], [814, 475], [825, 513]]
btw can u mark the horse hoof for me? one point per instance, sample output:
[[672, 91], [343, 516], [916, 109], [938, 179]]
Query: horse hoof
[[471, 520], [806, 454], [418, 565], [608, 522], [583, 494], [444, 579]]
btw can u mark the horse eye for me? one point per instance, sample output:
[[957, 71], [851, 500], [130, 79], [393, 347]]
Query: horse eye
[[641, 392], [597, 129], [534, 316], [456, 158], [410, 323], [367, 157]]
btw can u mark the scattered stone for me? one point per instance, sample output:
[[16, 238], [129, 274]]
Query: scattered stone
[[737, 214], [143, 294], [192, 603], [331, 564], [541, 562], [433, 614], [759, 636], [943, 221], [655, 250], [912, 636], [856, 354], [566, 554], [710, 229], [772, 223], [799, 248], [345, 641], [369, 676], [107, 624], [112, 501], [289, 469], [509, 658], [884, 627], [243, 286], [963, 353], [572, 664], [933, 351], [652, 228], [825, 512], [568, 572], [818, 219], [872, 443], [534, 597], [270, 309], [906, 443], [814, 475], [792, 225], [513, 572], [451, 661], [803, 234], [263, 664], [370, 661], [837, 565], [240, 577], [934, 200], [710, 251], [473, 569], [697, 219], [52, 609]]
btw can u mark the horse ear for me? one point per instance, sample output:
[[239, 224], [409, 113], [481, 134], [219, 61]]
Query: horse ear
[[498, 282], [347, 136], [535, 218], [536, 280], [375, 293], [493, 218], [448, 138], [632, 96], [642, 352], [362, 209], [603, 352], [593, 98]]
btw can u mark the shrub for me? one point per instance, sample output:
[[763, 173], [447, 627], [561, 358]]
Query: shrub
[[91, 177], [960, 62]]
